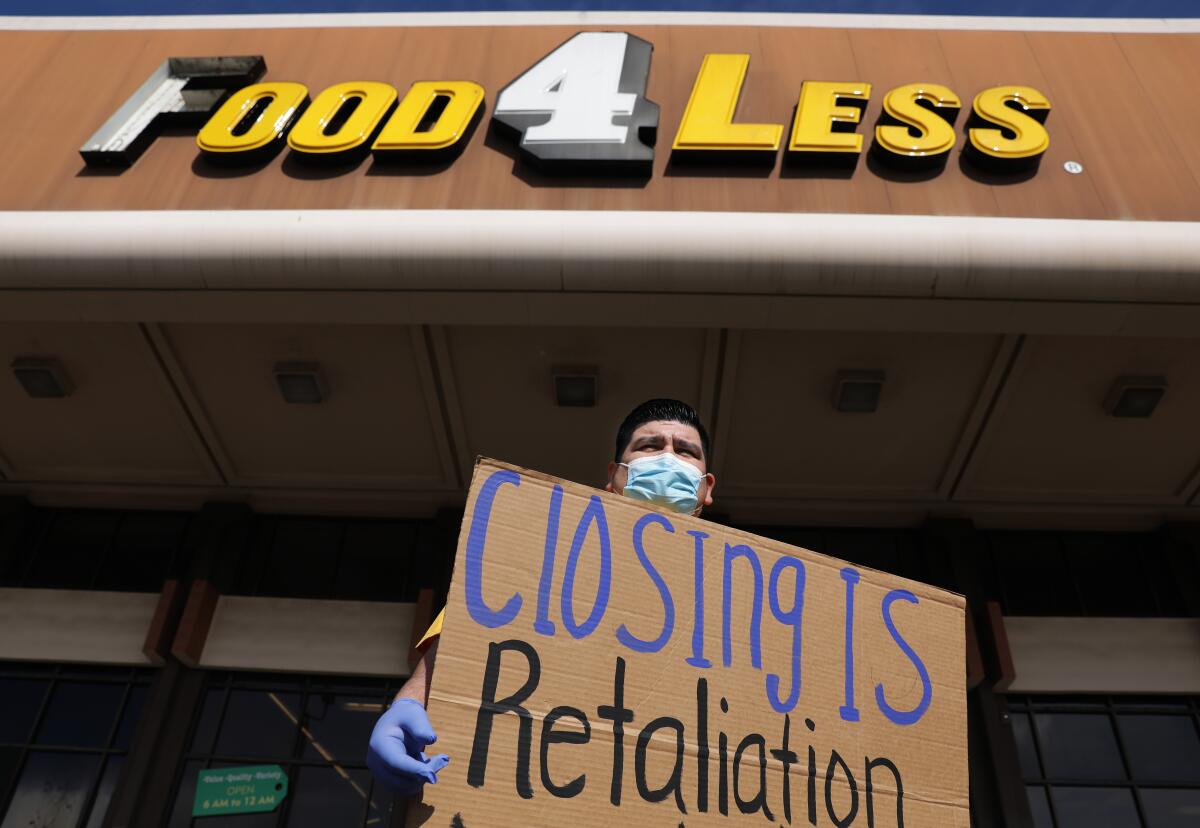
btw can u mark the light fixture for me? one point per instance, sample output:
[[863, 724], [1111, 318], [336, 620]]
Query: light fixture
[[300, 382], [42, 377], [1132, 396], [575, 387], [857, 391]]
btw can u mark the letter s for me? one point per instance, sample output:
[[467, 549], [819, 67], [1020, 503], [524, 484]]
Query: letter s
[[1016, 111], [664, 593], [902, 717]]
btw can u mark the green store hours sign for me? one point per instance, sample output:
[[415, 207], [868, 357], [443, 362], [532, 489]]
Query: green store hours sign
[[247, 790]]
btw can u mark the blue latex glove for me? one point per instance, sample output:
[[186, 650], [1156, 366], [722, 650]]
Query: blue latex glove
[[396, 752]]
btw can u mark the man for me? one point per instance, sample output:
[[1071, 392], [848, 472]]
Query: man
[[661, 456]]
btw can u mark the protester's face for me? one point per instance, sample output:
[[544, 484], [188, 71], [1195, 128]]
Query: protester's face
[[663, 437]]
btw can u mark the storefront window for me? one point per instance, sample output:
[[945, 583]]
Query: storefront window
[[334, 558], [316, 728], [1082, 574], [64, 734], [93, 549], [1120, 762]]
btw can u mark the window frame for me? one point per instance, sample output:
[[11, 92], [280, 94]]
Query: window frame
[[305, 685], [55, 674], [1111, 706]]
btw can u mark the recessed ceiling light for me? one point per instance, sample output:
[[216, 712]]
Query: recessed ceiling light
[[300, 382], [1135, 396], [857, 392], [42, 377], [575, 387]]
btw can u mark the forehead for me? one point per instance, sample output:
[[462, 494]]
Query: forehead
[[666, 429]]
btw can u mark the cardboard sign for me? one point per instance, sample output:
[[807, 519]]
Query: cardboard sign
[[604, 662]]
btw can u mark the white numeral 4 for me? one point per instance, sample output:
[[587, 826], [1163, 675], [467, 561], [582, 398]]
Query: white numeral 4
[[585, 101]]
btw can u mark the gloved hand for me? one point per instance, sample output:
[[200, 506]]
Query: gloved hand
[[395, 754]]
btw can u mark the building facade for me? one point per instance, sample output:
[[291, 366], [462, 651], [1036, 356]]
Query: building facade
[[252, 349]]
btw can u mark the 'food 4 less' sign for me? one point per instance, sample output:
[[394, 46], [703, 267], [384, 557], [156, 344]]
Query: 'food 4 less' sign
[[239, 790]]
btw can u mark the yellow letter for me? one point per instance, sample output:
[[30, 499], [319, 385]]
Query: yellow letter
[[1030, 137], [226, 135], [708, 120], [318, 133], [937, 132], [400, 133], [818, 115]]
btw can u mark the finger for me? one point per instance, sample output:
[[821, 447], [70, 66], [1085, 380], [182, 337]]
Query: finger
[[416, 724], [404, 780], [391, 751], [438, 762], [403, 763], [397, 783], [389, 778]]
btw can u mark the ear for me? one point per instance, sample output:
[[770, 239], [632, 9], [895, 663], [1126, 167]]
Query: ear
[[612, 471]]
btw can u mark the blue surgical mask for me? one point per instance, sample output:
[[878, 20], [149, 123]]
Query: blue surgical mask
[[666, 480]]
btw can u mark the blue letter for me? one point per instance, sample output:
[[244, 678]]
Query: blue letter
[[902, 717], [848, 711], [480, 612], [697, 658], [594, 513], [623, 635], [732, 552], [792, 617], [543, 624]]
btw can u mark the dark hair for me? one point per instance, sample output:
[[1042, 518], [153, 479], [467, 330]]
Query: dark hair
[[671, 411]]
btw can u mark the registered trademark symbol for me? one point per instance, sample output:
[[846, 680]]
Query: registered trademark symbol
[[1073, 167]]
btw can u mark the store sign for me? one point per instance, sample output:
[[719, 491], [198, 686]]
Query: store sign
[[606, 663], [583, 105], [248, 790]]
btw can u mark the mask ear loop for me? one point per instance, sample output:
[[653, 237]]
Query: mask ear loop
[[612, 481], [703, 487]]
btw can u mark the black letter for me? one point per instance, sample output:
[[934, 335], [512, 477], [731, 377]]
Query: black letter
[[489, 708], [788, 758], [759, 802], [551, 736], [702, 745], [639, 763], [871, 763], [723, 777], [618, 715], [835, 759], [812, 775]]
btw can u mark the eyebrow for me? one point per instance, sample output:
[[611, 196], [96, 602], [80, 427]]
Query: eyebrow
[[648, 440], [690, 446]]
